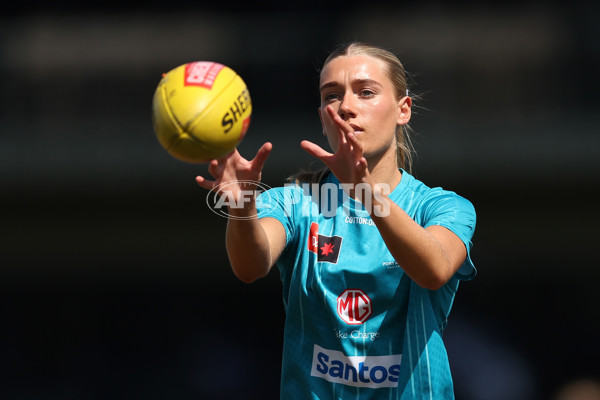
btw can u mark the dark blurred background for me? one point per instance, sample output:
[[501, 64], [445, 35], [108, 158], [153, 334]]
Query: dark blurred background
[[114, 281]]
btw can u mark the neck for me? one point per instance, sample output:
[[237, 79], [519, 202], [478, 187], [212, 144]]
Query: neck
[[385, 169]]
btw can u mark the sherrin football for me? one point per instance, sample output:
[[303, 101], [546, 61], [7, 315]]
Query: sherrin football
[[201, 111]]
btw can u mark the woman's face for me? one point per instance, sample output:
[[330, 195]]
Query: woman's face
[[359, 90]]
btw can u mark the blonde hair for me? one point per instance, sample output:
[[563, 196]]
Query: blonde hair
[[395, 71]]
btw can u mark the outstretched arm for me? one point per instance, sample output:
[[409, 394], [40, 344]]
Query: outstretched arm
[[430, 256], [253, 245]]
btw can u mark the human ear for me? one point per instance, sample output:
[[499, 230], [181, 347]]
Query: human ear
[[404, 110]]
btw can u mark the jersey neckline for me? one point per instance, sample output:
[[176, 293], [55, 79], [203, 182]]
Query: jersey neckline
[[357, 205]]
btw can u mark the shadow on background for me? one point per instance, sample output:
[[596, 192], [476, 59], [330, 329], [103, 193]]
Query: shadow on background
[[114, 278]]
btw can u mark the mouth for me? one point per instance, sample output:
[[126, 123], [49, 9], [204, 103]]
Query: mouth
[[357, 129]]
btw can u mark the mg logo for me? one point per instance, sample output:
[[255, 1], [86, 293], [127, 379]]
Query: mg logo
[[354, 306]]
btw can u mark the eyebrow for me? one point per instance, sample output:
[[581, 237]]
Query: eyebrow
[[354, 82]]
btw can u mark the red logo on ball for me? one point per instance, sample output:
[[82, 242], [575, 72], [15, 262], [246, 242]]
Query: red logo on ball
[[354, 306], [245, 126], [201, 73]]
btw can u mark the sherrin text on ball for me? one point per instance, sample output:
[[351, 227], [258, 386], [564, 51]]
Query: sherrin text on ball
[[201, 111]]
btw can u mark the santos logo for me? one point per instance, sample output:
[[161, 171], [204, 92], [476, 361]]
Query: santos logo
[[354, 306], [362, 371]]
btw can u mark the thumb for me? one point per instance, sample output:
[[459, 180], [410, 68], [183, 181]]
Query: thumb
[[315, 150]]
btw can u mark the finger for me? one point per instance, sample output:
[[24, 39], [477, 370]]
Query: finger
[[214, 168], [261, 156], [357, 148], [338, 120], [362, 165], [223, 159], [315, 150], [205, 183], [343, 127]]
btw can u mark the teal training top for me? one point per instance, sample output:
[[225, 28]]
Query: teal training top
[[357, 327]]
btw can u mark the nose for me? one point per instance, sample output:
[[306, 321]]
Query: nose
[[347, 108]]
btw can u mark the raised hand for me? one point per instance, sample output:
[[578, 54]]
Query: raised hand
[[235, 173], [347, 163]]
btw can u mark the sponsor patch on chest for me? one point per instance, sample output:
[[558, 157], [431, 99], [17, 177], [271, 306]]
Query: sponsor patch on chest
[[327, 248], [361, 371]]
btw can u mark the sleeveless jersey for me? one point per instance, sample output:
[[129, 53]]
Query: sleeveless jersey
[[357, 327]]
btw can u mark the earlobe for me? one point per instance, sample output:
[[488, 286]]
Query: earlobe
[[405, 110]]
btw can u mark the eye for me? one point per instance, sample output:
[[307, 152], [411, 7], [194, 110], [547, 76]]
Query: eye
[[331, 97], [367, 93]]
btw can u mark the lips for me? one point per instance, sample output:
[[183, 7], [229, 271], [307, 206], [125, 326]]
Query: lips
[[356, 128]]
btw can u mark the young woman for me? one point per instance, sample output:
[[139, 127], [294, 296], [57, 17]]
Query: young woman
[[370, 258]]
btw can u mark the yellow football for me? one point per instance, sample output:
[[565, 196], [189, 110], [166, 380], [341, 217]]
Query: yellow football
[[201, 111]]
